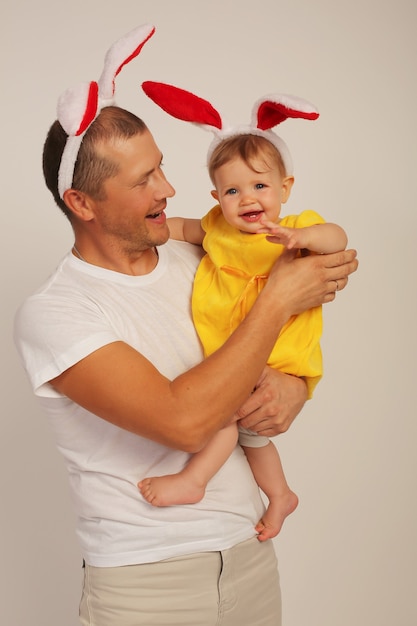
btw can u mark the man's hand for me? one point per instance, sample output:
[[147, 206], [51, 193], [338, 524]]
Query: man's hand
[[274, 404]]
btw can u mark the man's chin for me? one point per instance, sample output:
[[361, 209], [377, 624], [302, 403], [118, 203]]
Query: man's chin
[[162, 237]]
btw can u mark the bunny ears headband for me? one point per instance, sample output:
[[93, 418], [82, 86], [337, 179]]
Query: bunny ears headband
[[79, 106], [267, 112]]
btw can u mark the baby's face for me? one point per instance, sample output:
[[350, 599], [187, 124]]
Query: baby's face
[[248, 194]]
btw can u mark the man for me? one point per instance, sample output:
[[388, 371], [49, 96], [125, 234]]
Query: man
[[112, 354]]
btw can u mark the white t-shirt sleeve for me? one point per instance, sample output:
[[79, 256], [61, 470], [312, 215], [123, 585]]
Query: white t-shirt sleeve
[[66, 330]]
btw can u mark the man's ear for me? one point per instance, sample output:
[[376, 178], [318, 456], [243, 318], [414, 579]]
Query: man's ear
[[215, 195], [79, 204], [287, 184]]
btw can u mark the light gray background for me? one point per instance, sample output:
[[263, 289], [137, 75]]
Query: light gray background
[[348, 554]]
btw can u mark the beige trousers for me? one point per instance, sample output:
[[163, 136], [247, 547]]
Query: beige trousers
[[235, 587]]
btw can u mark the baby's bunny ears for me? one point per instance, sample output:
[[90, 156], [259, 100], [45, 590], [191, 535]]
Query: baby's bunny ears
[[79, 106], [267, 112]]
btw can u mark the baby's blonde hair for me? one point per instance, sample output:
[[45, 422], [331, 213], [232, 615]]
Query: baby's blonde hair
[[248, 148]]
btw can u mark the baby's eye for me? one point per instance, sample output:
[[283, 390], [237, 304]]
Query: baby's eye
[[259, 186], [231, 191]]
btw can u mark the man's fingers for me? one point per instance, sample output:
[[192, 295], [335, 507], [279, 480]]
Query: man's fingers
[[345, 259]]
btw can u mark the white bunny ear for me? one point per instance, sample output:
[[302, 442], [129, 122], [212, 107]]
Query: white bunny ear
[[121, 53], [274, 109], [79, 106]]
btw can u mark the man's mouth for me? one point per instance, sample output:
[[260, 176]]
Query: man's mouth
[[154, 216]]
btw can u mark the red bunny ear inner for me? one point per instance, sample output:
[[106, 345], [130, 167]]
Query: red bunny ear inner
[[135, 52], [90, 108], [271, 114], [182, 104]]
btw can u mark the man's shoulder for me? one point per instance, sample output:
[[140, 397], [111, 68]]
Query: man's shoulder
[[187, 252], [56, 298]]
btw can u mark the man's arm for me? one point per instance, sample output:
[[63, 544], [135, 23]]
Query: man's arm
[[122, 386]]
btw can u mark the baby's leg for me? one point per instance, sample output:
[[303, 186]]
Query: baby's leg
[[189, 485], [269, 475]]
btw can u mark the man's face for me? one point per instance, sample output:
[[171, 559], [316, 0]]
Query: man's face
[[131, 217]]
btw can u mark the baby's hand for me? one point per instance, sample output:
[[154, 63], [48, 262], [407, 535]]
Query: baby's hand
[[288, 237]]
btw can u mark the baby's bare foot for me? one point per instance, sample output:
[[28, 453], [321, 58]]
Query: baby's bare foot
[[278, 509], [170, 490]]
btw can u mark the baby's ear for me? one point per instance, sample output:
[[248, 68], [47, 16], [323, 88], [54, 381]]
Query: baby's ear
[[287, 184], [215, 195]]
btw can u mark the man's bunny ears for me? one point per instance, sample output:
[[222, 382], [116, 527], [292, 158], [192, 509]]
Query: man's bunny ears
[[267, 112], [79, 106]]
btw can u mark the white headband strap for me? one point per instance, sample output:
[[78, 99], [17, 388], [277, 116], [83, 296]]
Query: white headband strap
[[67, 165]]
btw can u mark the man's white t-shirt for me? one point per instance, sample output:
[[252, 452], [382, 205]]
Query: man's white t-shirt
[[81, 308]]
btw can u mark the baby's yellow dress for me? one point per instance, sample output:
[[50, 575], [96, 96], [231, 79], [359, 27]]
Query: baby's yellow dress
[[227, 283]]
